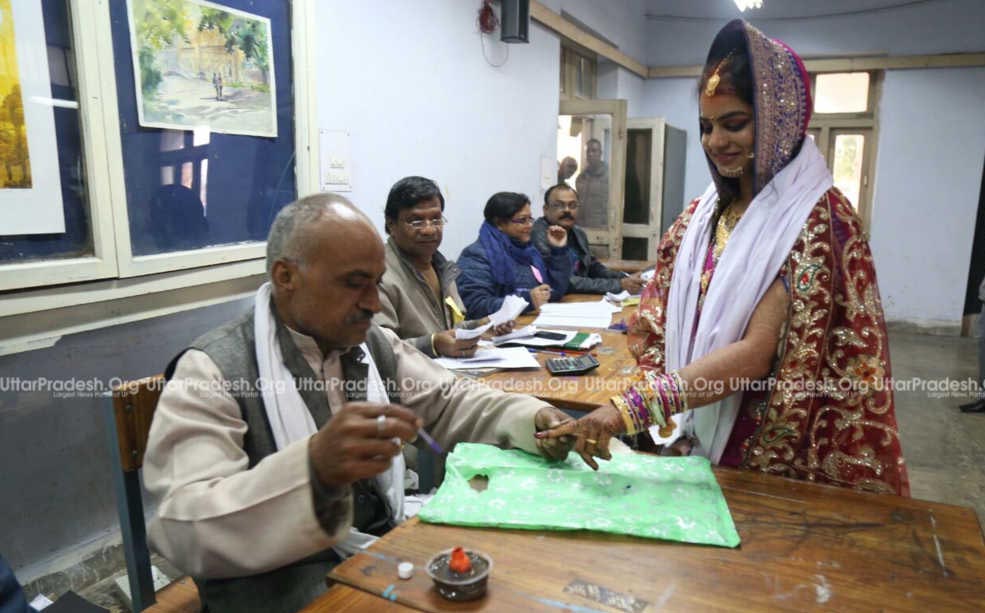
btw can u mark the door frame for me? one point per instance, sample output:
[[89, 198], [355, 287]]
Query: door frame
[[650, 231], [617, 110]]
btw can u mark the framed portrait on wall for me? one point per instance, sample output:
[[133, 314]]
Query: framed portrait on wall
[[30, 185], [201, 65]]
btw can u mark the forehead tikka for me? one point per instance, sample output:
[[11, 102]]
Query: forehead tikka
[[715, 78]]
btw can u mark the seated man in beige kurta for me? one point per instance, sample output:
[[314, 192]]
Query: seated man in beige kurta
[[418, 295], [275, 447]]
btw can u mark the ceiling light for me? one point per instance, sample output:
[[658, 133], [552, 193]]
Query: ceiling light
[[748, 4]]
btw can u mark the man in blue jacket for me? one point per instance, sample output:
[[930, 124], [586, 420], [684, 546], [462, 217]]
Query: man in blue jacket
[[588, 275]]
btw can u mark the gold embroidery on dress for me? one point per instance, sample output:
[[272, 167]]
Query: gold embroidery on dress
[[858, 407]]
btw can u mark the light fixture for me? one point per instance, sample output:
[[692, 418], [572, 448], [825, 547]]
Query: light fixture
[[749, 4]]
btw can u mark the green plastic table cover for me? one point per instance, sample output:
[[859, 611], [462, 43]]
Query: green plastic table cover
[[675, 499]]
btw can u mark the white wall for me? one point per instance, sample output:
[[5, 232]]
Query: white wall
[[929, 153], [615, 82], [928, 178], [944, 26], [621, 22], [676, 100], [410, 83]]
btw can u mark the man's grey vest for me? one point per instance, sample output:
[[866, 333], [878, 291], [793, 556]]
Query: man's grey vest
[[232, 348]]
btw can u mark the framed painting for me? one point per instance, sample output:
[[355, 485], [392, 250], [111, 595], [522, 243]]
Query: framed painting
[[199, 65], [30, 183]]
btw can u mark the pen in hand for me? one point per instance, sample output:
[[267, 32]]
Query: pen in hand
[[433, 444]]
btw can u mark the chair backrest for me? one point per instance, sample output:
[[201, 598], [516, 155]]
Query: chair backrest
[[133, 410], [128, 418]]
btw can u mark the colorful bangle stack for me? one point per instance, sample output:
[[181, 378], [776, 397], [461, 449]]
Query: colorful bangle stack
[[652, 399]]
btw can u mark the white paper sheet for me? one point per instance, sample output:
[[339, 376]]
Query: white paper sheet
[[469, 333], [497, 357], [524, 332], [576, 315], [512, 306], [525, 336]]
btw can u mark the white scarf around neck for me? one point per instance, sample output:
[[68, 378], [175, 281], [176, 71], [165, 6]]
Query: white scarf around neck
[[290, 419], [757, 248]]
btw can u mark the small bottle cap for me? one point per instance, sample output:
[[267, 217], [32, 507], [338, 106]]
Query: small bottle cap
[[405, 570]]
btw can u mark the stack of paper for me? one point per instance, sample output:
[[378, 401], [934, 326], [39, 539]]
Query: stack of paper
[[576, 315]]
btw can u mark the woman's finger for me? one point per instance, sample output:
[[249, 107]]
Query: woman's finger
[[602, 448], [587, 457]]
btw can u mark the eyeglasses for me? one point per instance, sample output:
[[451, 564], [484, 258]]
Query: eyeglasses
[[420, 224], [523, 221], [558, 206]]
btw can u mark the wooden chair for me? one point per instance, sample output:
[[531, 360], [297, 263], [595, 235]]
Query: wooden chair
[[128, 420]]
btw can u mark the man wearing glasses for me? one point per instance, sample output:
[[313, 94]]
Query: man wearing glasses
[[588, 275], [418, 294]]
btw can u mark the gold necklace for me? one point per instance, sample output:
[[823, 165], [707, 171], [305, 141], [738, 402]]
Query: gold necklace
[[723, 229]]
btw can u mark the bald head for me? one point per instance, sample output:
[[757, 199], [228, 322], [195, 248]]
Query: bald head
[[325, 260], [298, 228]]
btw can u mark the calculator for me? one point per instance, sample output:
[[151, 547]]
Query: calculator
[[572, 366]]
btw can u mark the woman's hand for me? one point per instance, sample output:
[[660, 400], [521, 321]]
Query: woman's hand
[[557, 236], [540, 295], [592, 432]]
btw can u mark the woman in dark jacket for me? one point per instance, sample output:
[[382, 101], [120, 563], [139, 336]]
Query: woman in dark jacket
[[504, 261]]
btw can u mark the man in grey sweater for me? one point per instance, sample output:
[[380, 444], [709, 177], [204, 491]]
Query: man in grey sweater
[[265, 480], [419, 299]]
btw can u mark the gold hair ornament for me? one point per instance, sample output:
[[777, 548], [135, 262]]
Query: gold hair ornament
[[715, 78]]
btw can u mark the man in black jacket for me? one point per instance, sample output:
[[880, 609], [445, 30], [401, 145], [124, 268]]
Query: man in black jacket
[[588, 275]]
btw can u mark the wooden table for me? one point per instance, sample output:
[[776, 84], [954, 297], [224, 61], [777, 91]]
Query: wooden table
[[804, 546], [343, 599], [629, 266], [582, 392]]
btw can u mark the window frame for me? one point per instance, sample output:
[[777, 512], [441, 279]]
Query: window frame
[[113, 261], [829, 125], [571, 57]]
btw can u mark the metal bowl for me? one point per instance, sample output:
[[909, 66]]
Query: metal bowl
[[460, 587]]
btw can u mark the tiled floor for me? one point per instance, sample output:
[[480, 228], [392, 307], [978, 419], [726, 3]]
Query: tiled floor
[[944, 448]]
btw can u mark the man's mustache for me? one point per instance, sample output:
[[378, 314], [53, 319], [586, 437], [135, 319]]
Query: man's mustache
[[567, 216], [362, 316]]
